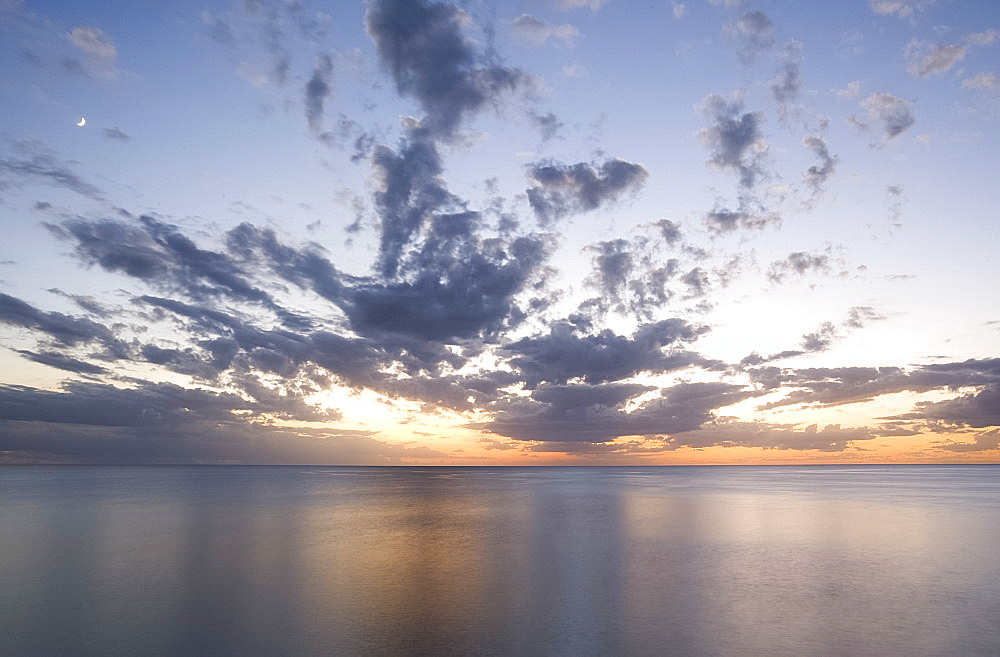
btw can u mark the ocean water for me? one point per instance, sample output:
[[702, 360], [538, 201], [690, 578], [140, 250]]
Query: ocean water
[[232, 560]]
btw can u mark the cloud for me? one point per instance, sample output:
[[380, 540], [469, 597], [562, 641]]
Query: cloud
[[845, 385], [984, 38], [43, 166], [786, 86], [410, 191], [537, 32], [424, 49], [679, 9], [822, 338], [981, 81], [549, 124], [975, 409], [987, 440], [850, 91], [159, 254], [817, 175], [272, 36], [63, 362], [595, 413], [697, 282], [895, 114], [729, 432], [799, 263], [613, 266], [465, 295], [161, 422], [860, 316], [752, 32], [567, 5], [563, 189], [630, 275], [734, 138], [99, 52], [317, 90], [219, 30], [899, 8], [748, 216], [925, 59], [566, 353], [115, 133], [65, 329], [669, 230], [451, 285]]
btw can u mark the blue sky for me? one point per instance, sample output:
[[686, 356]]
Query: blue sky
[[525, 232]]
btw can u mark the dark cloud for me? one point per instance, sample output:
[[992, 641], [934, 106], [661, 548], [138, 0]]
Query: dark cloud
[[65, 329], [728, 432], [817, 175], [357, 362], [895, 194], [410, 191], [752, 33], [632, 275], [459, 297], [63, 362], [563, 189], [353, 360], [454, 286], [834, 386], [734, 138], [860, 316], [748, 216], [116, 134], [613, 266], [975, 409], [669, 230], [317, 90], [595, 413], [820, 339], [423, 47], [565, 353], [160, 422], [548, 124], [786, 86], [799, 263], [46, 168], [697, 282], [88, 303], [159, 254], [984, 441], [895, 114]]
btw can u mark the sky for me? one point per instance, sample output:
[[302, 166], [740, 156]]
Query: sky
[[525, 232]]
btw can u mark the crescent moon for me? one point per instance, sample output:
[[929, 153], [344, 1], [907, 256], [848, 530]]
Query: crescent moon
[[83, 122]]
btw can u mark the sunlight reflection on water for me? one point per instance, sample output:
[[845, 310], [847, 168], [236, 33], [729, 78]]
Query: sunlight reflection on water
[[547, 561]]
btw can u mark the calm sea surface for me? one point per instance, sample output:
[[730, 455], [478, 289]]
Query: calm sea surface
[[898, 560]]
